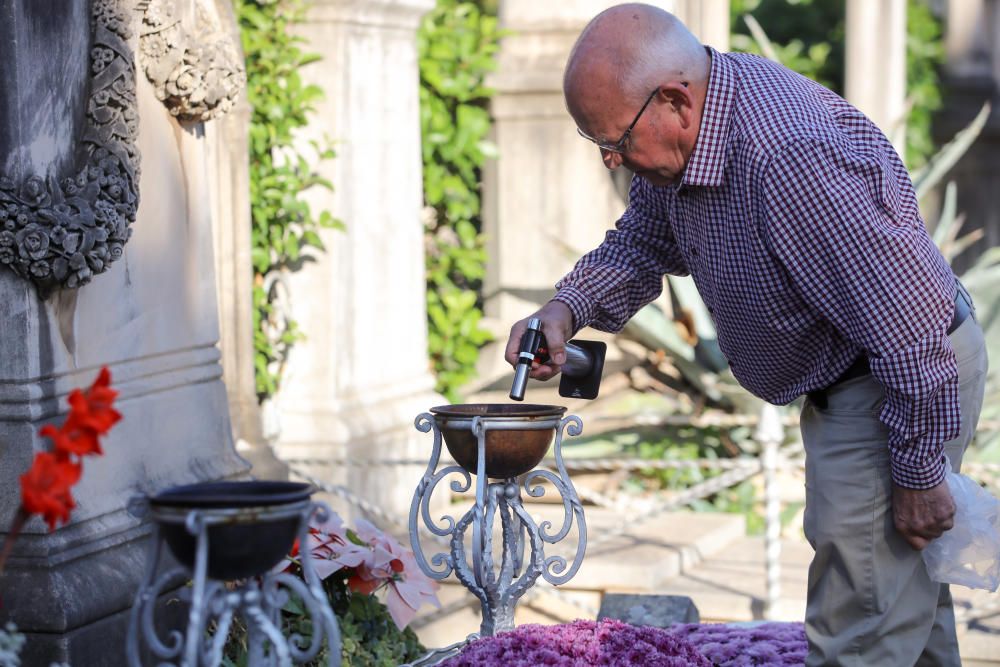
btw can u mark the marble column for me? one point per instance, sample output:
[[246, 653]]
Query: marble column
[[548, 184], [227, 141], [875, 64], [352, 388], [151, 318]]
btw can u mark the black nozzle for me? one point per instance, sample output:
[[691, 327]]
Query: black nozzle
[[581, 374]]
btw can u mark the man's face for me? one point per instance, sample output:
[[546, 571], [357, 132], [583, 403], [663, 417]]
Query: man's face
[[654, 140]]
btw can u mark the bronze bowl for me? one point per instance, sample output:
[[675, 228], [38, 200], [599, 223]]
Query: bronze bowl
[[251, 525], [517, 436]]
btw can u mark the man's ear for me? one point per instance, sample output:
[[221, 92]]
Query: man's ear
[[678, 96]]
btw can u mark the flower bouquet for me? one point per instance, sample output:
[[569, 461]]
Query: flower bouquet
[[375, 588]]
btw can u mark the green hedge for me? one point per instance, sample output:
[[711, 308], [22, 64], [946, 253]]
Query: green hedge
[[283, 224], [457, 42]]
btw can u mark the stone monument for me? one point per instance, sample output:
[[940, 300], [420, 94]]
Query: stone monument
[[103, 264]]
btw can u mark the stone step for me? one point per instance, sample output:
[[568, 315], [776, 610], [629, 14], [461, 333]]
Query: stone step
[[650, 552]]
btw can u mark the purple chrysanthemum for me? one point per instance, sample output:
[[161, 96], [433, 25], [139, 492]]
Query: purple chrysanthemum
[[605, 643], [738, 646]]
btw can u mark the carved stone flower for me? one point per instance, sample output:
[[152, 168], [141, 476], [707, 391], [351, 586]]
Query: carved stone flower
[[71, 242], [34, 192], [40, 268], [7, 255], [7, 238], [60, 268], [69, 187], [100, 57], [77, 261], [33, 242], [115, 251], [183, 81], [57, 235]]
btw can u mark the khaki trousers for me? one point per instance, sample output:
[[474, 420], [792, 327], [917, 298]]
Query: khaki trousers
[[870, 601]]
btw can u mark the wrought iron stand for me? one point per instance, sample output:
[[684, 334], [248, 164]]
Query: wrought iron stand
[[498, 587], [258, 599]]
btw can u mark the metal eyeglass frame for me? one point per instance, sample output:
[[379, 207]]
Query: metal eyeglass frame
[[619, 146]]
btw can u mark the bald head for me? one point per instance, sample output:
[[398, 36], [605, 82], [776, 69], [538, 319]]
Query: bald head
[[625, 52]]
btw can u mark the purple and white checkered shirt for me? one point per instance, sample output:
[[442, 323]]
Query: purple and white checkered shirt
[[799, 225]]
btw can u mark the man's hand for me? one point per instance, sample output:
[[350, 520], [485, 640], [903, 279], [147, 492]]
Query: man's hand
[[922, 515], [557, 325]]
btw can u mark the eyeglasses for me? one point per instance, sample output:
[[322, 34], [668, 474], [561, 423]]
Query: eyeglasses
[[619, 146]]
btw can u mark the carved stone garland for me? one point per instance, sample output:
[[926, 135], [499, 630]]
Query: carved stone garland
[[60, 233], [197, 76]]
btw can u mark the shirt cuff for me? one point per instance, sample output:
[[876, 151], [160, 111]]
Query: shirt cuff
[[579, 304], [921, 475]]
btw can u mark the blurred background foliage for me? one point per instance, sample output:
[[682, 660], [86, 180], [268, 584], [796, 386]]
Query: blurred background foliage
[[283, 225], [457, 42]]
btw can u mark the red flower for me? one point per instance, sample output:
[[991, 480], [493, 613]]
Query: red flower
[[72, 440], [363, 586], [93, 409], [45, 488]]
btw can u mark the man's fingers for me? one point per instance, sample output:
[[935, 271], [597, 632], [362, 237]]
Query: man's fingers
[[555, 340], [514, 342], [544, 372]]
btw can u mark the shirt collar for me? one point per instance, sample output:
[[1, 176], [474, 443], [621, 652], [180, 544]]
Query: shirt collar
[[709, 156]]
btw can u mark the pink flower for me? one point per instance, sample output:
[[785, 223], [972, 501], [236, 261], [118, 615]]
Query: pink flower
[[330, 548], [372, 561], [409, 587]]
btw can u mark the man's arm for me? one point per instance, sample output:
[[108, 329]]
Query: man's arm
[[612, 282], [846, 227]]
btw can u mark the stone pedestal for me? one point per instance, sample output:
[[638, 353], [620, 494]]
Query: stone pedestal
[[353, 387], [549, 185], [151, 318], [875, 65]]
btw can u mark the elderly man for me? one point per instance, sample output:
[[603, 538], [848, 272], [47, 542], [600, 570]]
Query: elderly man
[[799, 225]]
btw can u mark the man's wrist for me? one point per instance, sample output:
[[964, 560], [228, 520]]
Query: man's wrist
[[579, 304], [920, 476]]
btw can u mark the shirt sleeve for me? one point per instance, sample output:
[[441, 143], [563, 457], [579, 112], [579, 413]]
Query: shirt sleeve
[[611, 283], [845, 224]]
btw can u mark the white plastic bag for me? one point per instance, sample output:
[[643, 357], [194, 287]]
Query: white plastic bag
[[969, 553]]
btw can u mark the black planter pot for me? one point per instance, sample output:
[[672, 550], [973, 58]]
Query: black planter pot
[[251, 525]]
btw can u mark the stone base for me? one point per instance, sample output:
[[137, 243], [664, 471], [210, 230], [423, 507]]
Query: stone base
[[73, 603], [103, 642], [659, 611]]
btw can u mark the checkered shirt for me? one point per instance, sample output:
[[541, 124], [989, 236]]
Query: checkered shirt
[[799, 225]]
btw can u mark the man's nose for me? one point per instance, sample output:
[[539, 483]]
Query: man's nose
[[612, 159]]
